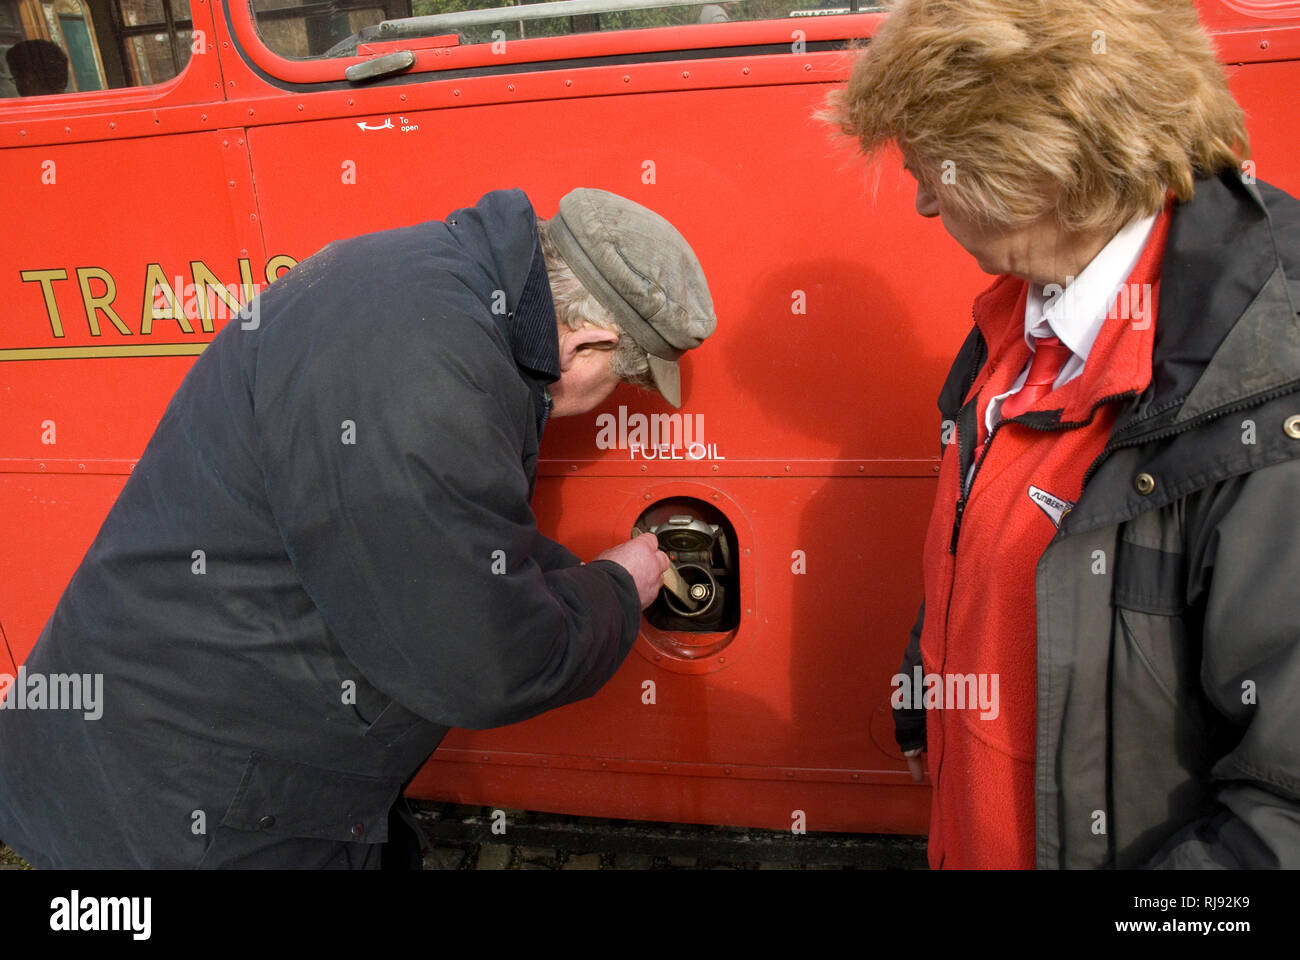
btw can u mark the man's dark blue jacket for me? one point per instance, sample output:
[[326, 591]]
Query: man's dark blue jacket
[[299, 589]]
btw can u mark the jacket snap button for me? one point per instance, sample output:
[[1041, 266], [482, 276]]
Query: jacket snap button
[[358, 829], [1145, 483], [1291, 427], [266, 823]]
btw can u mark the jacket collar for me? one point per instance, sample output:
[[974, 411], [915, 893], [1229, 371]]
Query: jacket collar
[[1227, 289], [500, 232], [1227, 339], [1223, 298], [1227, 342], [531, 324]]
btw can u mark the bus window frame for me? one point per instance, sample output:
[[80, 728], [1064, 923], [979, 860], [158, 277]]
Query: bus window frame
[[199, 81], [1235, 24], [434, 56]]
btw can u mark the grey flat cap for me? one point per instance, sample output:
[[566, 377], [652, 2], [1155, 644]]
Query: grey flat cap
[[640, 269]]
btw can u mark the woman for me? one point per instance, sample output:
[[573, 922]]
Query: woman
[[1115, 537]]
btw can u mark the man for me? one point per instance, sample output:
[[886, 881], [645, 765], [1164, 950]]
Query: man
[[326, 557], [39, 67]]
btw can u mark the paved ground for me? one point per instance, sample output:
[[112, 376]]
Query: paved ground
[[492, 856], [462, 839], [10, 860], [499, 856]]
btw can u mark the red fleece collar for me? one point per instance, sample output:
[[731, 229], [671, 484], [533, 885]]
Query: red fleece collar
[[1120, 359]]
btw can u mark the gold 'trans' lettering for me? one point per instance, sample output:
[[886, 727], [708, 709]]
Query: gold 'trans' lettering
[[121, 319]]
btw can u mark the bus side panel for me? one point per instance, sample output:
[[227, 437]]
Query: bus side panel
[[796, 717], [812, 411], [815, 285], [83, 375], [815, 397], [51, 518], [1269, 93]]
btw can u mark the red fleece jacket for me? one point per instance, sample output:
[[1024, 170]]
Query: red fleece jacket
[[980, 611]]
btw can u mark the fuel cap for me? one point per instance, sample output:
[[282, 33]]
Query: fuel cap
[[683, 533]]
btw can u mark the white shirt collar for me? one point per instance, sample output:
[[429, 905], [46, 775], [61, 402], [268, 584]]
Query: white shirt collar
[[1075, 314]]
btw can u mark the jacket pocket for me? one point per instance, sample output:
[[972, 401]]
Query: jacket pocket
[[283, 798], [1154, 623], [1157, 644], [1149, 579]]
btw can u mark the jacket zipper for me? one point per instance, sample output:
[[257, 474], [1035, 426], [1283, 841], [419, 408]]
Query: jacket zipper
[[981, 356], [961, 480], [1112, 447], [966, 488], [1189, 425]]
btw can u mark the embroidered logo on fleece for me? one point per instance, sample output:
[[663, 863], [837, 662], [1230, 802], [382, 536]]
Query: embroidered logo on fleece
[[1054, 507]]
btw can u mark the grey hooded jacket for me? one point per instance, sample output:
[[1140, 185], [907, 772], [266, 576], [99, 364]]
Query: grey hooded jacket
[[1168, 730], [324, 558]]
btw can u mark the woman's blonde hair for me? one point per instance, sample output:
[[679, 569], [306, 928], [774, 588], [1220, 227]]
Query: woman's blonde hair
[[1088, 109]]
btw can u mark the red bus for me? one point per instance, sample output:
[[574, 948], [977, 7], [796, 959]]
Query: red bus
[[194, 151]]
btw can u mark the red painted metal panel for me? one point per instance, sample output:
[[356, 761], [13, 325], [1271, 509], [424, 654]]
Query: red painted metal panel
[[798, 716], [793, 211], [797, 255], [91, 241], [51, 519]]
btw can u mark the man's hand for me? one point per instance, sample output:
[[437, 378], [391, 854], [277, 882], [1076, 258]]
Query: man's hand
[[642, 558], [915, 765]]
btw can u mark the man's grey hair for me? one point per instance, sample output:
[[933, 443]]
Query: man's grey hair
[[576, 307]]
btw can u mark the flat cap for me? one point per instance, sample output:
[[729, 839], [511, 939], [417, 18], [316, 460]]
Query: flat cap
[[640, 269]]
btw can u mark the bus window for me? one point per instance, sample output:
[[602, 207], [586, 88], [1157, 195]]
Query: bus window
[[302, 29], [72, 46], [310, 28]]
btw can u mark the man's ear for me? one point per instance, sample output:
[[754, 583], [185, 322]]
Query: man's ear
[[572, 342]]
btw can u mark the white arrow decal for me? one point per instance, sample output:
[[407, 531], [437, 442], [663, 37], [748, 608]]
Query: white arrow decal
[[386, 125]]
